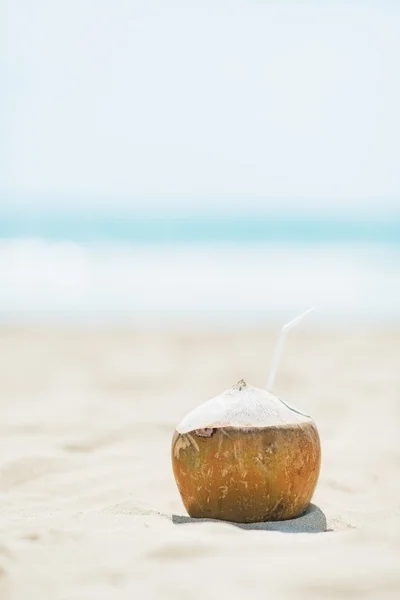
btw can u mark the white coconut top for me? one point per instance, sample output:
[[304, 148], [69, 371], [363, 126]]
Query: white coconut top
[[242, 406]]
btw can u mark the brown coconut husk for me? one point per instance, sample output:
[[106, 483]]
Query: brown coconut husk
[[246, 456]]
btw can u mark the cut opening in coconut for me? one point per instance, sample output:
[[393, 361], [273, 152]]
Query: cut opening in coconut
[[241, 406]]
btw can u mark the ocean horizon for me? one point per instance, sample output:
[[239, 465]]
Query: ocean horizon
[[193, 268], [156, 227]]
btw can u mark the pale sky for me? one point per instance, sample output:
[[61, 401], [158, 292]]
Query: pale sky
[[215, 102]]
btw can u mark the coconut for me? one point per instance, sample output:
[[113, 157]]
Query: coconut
[[246, 456]]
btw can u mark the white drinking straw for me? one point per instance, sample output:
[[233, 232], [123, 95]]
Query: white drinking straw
[[278, 348]]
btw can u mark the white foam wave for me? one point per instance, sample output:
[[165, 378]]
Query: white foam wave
[[41, 276]]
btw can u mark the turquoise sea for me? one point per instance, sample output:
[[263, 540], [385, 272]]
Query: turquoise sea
[[244, 228], [199, 267]]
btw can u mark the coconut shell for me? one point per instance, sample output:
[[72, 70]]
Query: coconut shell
[[247, 474]]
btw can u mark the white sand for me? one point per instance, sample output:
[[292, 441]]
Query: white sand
[[89, 506]]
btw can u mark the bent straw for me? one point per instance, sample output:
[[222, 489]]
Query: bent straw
[[278, 348]]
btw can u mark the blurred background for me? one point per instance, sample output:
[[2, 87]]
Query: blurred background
[[229, 161]]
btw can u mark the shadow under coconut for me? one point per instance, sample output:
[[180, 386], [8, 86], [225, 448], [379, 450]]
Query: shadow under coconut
[[313, 520]]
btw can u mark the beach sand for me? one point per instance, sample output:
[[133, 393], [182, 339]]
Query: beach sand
[[89, 505]]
